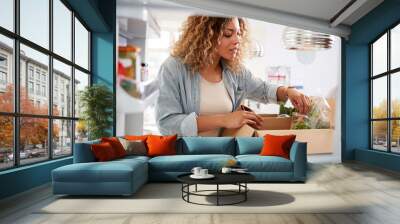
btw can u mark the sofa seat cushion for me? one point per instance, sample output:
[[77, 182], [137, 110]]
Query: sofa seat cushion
[[133, 158], [111, 171], [257, 163], [185, 163]]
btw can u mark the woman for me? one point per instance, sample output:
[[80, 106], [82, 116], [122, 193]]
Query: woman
[[204, 82]]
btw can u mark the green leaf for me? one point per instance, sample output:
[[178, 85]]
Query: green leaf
[[96, 103]]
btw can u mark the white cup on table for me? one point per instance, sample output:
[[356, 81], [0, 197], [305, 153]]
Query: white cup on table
[[203, 172], [196, 170]]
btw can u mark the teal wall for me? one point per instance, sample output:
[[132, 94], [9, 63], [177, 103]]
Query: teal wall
[[104, 52], [355, 133], [100, 17], [24, 178]]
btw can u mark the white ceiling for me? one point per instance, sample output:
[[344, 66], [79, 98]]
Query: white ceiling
[[166, 14], [320, 9], [314, 15]]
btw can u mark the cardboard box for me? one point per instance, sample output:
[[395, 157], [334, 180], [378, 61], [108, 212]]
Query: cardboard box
[[273, 122], [270, 122], [319, 141]]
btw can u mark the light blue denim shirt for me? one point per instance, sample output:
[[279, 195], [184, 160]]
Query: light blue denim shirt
[[178, 103]]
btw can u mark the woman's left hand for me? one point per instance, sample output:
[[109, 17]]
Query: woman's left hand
[[300, 101]]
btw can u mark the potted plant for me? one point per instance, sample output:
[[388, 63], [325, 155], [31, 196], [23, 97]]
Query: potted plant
[[96, 102]]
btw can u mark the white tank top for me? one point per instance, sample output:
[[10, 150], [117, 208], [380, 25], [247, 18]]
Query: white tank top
[[214, 99]]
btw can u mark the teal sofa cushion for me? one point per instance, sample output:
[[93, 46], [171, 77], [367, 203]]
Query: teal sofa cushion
[[185, 163], [249, 145], [206, 145], [118, 177], [257, 163], [83, 152], [114, 171]]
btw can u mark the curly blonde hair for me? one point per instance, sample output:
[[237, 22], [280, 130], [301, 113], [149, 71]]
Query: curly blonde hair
[[199, 38]]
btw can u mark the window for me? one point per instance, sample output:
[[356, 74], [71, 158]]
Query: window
[[3, 72], [81, 45], [62, 31], [7, 89], [3, 78], [385, 97], [44, 91], [62, 140], [45, 131], [3, 61], [37, 75], [81, 81], [55, 95], [6, 143], [62, 74], [34, 21], [38, 89], [30, 87], [7, 14], [30, 73]]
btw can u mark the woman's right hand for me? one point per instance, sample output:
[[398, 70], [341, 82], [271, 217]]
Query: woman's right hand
[[239, 118]]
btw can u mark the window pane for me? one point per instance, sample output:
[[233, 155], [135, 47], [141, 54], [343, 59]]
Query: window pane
[[33, 139], [379, 97], [7, 14], [6, 74], [395, 138], [34, 78], [379, 135], [6, 142], [62, 29], [35, 21], [379, 55], [81, 131], [62, 89], [81, 81], [395, 47], [62, 138], [81, 45], [395, 94]]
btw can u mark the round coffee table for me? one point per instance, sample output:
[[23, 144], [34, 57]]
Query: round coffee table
[[238, 179]]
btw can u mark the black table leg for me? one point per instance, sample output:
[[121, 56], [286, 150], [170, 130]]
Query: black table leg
[[196, 188], [188, 189], [182, 190], [217, 194], [245, 193]]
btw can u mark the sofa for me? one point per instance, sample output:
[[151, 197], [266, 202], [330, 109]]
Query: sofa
[[126, 175]]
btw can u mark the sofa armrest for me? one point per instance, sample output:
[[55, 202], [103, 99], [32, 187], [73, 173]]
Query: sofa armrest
[[298, 155], [83, 152]]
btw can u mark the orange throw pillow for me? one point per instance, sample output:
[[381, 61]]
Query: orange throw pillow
[[161, 145], [103, 151], [275, 145], [116, 145]]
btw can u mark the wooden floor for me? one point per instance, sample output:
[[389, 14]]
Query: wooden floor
[[378, 188]]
